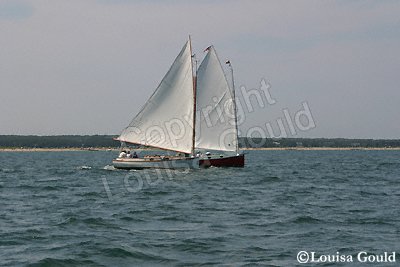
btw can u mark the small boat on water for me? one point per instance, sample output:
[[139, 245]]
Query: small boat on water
[[191, 113]]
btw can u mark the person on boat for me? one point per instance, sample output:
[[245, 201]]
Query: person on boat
[[134, 155], [122, 154], [128, 154]]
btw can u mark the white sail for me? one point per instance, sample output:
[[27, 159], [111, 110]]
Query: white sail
[[216, 127], [166, 120]]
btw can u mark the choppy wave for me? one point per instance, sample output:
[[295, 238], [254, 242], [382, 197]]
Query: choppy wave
[[305, 219], [77, 210], [125, 252], [84, 167], [7, 170], [109, 168], [49, 262]]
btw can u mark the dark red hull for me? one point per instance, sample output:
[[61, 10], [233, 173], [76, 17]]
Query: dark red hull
[[235, 161]]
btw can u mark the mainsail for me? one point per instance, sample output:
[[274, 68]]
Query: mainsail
[[216, 128], [166, 120]]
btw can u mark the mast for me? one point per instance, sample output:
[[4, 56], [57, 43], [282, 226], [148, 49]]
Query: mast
[[234, 106], [194, 98]]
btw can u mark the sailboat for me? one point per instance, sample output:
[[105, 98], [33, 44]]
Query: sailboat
[[166, 121], [217, 130]]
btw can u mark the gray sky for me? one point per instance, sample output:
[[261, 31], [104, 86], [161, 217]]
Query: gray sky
[[87, 66]]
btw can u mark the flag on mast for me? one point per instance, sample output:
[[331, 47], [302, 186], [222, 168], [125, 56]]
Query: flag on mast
[[207, 49]]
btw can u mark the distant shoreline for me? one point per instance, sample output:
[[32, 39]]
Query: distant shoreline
[[245, 149], [56, 149], [324, 148], [106, 142]]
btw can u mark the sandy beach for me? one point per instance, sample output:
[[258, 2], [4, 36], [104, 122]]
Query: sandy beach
[[55, 149], [323, 148], [245, 149]]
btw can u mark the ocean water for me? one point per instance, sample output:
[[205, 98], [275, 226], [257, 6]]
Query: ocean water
[[74, 209]]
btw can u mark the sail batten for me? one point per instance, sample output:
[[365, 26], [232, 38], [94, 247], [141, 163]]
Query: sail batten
[[216, 128], [165, 121]]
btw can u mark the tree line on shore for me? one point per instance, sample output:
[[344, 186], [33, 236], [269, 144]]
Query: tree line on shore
[[88, 141]]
